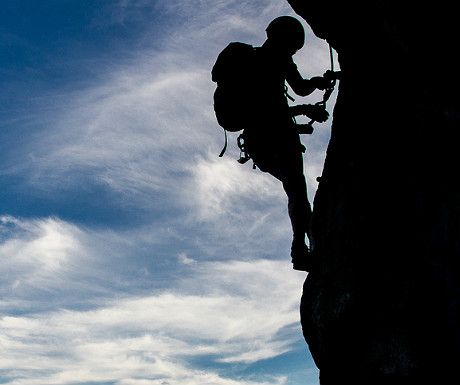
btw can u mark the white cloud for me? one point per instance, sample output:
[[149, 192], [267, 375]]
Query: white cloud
[[37, 253], [229, 312], [224, 187], [184, 259], [48, 263]]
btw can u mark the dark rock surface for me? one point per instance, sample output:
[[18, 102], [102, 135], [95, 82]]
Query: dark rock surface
[[382, 305]]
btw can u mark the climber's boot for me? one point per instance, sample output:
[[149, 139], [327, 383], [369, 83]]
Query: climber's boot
[[300, 254], [300, 221]]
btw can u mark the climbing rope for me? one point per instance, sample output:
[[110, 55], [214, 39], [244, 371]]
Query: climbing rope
[[332, 58]]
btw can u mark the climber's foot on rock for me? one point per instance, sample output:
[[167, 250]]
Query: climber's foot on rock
[[301, 256]]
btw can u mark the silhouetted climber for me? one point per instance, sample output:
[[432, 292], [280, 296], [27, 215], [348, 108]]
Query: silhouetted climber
[[252, 95]]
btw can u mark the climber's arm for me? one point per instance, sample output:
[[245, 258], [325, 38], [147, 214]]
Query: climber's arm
[[301, 86], [304, 87]]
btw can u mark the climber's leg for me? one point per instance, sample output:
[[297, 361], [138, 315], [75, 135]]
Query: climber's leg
[[299, 209]]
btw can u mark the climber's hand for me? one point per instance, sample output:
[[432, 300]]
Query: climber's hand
[[319, 82], [315, 112], [332, 75], [300, 109]]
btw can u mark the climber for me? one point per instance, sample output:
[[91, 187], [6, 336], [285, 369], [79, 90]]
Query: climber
[[271, 138]]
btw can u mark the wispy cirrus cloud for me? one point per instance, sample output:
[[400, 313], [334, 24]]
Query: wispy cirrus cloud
[[148, 339]]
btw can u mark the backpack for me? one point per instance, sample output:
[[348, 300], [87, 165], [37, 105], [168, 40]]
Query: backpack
[[232, 73]]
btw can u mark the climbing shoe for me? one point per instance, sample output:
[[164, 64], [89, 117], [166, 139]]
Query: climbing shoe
[[301, 256]]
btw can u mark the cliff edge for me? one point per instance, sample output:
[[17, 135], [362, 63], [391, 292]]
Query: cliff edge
[[382, 304]]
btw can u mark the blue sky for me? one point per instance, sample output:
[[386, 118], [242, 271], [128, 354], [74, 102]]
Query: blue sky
[[130, 253]]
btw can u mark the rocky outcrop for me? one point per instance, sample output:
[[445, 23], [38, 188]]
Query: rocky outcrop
[[382, 304]]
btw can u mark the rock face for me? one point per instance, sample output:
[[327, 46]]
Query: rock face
[[382, 305]]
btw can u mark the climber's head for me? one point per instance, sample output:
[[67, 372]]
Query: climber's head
[[286, 33]]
